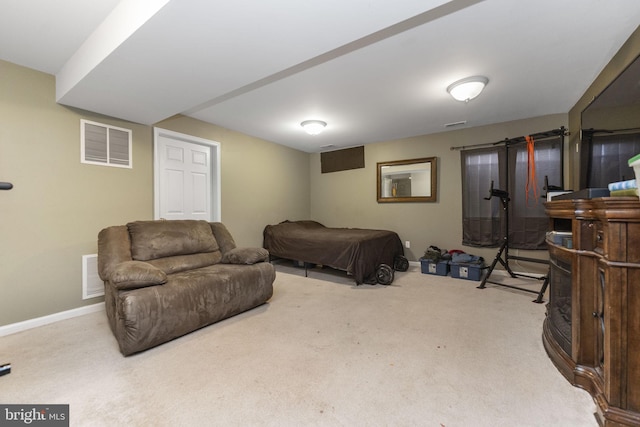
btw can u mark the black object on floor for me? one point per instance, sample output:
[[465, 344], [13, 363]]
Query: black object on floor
[[5, 369]]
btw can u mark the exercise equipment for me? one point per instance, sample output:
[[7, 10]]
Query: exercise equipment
[[503, 255]]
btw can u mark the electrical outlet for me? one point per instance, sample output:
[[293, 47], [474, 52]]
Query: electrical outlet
[[407, 244]]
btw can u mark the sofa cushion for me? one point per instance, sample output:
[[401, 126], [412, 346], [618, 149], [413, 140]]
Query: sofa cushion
[[223, 237], [176, 264], [158, 239], [136, 274], [245, 256]]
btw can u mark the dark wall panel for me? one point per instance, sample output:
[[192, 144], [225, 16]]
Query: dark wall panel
[[341, 160]]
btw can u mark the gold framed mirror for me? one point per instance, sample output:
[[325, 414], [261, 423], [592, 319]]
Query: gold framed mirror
[[413, 180]]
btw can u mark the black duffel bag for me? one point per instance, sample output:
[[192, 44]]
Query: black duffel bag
[[400, 263]]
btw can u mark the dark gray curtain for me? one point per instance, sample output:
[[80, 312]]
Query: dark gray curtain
[[507, 166], [605, 157], [528, 223], [482, 219]]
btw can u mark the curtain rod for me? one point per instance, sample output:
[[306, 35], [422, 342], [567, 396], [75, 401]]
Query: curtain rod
[[592, 130], [562, 131]]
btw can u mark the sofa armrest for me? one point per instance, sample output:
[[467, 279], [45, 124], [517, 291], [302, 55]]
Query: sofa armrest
[[136, 274], [114, 247], [245, 256]]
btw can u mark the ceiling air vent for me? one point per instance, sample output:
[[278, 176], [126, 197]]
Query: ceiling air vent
[[460, 123]]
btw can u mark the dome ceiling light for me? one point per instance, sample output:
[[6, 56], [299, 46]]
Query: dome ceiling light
[[467, 89], [313, 127]]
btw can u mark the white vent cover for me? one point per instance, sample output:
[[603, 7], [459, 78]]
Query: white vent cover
[[92, 286], [105, 145]]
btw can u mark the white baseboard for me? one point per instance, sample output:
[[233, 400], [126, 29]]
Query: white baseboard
[[52, 318]]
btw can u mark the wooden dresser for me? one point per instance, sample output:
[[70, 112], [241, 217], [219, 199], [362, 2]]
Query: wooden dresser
[[592, 328]]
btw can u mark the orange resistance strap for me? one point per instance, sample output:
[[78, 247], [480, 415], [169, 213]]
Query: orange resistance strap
[[531, 170]]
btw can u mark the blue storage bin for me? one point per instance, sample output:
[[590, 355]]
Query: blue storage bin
[[440, 268], [466, 271]]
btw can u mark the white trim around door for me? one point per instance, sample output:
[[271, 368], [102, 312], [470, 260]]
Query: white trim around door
[[214, 173]]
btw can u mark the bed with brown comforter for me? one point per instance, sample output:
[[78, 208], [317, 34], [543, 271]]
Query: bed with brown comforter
[[357, 251]]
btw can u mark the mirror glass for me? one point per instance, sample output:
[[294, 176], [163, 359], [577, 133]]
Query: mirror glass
[[610, 133], [411, 180], [617, 107]]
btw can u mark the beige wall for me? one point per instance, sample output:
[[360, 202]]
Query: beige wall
[[348, 198], [52, 216], [57, 206]]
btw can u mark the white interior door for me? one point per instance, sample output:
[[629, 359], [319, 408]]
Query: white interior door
[[187, 171]]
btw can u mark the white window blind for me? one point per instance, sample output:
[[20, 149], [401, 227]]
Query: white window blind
[[105, 145]]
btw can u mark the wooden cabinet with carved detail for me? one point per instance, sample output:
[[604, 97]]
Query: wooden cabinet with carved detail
[[592, 328]]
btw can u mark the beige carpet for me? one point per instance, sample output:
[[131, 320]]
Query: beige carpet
[[425, 351]]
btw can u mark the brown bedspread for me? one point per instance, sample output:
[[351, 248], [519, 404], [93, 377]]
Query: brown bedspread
[[357, 251]]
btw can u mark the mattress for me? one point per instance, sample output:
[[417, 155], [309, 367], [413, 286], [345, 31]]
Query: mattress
[[357, 251]]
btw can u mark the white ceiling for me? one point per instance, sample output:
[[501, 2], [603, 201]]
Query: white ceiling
[[374, 70]]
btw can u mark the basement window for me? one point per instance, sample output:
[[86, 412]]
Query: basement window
[[105, 145], [483, 222]]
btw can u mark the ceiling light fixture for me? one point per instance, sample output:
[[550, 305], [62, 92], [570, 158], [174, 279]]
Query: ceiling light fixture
[[467, 89], [313, 127]]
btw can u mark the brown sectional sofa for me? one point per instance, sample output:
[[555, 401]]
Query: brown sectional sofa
[[164, 279]]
